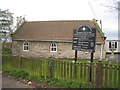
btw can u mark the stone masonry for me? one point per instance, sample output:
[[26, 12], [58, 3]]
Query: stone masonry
[[42, 49]]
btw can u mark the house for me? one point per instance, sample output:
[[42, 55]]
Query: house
[[109, 44], [53, 39]]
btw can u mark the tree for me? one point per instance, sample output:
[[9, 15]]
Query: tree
[[6, 24], [20, 20], [112, 4]]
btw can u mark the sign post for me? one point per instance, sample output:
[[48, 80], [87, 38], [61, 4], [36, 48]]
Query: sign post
[[75, 55], [84, 39], [91, 60]]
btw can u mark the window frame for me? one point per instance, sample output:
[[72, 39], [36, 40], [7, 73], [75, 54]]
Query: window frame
[[53, 46], [25, 46], [115, 44]]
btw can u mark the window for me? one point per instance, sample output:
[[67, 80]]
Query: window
[[25, 46], [109, 44], [113, 45], [53, 47]]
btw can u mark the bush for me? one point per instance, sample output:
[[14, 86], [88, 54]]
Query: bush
[[38, 79], [19, 73], [5, 70], [15, 72], [65, 83], [6, 49]]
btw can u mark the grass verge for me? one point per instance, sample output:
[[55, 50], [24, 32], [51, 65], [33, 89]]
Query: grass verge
[[41, 79]]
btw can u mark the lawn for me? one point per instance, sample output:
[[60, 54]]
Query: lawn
[[86, 61]]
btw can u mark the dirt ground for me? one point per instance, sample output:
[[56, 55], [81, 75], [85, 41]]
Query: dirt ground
[[12, 82]]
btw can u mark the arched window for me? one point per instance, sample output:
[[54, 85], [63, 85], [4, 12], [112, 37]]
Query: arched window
[[25, 46], [53, 47]]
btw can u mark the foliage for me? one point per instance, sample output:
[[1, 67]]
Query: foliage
[[51, 64], [6, 49], [6, 23], [6, 20], [38, 79], [16, 72], [65, 83], [62, 74], [41, 79], [20, 20], [111, 4]]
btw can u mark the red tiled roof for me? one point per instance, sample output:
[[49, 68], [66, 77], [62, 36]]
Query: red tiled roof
[[53, 30]]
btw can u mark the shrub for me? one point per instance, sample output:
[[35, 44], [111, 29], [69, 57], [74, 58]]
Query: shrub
[[38, 79], [65, 83], [21, 73], [15, 72], [5, 70]]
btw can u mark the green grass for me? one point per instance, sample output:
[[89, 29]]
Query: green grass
[[86, 61], [65, 83], [39, 70], [41, 79], [15, 72]]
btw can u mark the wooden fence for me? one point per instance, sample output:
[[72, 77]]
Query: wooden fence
[[103, 75]]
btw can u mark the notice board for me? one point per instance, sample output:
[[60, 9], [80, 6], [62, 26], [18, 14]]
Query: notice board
[[84, 39]]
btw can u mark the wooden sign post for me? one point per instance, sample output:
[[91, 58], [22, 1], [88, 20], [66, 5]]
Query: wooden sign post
[[75, 55], [91, 60], [84, 39]]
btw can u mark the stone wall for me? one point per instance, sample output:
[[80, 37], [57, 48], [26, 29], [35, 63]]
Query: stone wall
[[42, 49]]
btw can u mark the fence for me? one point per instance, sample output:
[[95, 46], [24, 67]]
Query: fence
[[103, 75]]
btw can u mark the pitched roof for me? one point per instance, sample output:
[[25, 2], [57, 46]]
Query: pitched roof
[[53, 30]]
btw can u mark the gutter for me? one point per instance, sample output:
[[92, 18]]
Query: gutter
[[48, 40]]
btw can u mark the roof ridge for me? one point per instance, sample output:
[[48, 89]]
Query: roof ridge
[[59, 21]]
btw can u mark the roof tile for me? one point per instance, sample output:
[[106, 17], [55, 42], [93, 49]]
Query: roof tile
[[53, 30]]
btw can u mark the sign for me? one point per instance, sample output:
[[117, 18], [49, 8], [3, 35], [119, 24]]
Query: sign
[[84, 39]]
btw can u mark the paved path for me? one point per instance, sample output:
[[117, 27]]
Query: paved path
[[11, 82]]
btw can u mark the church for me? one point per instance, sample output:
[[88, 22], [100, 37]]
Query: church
[[54, 39]]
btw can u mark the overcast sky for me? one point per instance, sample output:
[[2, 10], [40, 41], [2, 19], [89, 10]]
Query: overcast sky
[[42, 10]]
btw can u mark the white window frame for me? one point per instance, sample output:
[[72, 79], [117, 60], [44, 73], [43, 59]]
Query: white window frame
[[51, 46], [25, 46], [113, 43]]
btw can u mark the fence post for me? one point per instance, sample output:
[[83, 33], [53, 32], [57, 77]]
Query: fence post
[[99, 75], [20, 62]]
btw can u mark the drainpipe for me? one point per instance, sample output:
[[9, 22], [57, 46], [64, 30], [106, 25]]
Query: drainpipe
[[101, 56]]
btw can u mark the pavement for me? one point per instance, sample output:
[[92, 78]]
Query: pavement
[[11, 82]]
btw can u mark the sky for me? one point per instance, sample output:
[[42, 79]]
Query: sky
[[45, 10]]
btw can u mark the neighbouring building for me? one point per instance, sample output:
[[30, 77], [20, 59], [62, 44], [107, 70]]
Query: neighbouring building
[[112, 44], [54, 39]]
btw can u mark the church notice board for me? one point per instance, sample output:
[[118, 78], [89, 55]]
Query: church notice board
[[84, 39]]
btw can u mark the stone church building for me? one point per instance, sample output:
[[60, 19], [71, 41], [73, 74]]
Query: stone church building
[[53, 39]]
